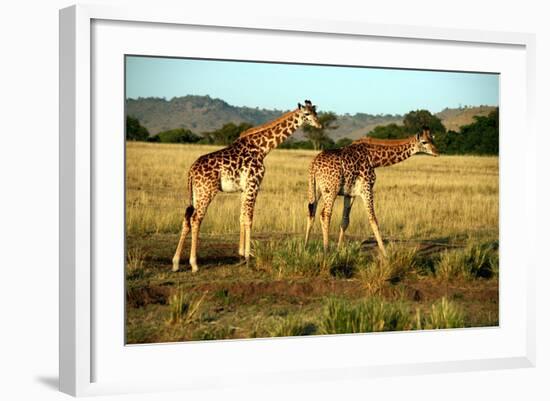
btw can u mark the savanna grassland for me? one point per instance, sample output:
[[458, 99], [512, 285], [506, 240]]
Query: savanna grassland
[[439, 217]]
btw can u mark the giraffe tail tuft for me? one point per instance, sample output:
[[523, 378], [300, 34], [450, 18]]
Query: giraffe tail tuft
[[312, 197], [311, 209], [189, 212], [190, 209]]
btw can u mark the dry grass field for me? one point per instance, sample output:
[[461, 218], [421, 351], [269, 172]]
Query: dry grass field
[[438, 215]]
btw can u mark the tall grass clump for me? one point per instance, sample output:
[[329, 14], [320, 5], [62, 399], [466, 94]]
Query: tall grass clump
[[346, 261], [385, 270], [341, 316], [290, 258], [183, 307], [135, 260], [444, 314], [475, 261], [292, 326]]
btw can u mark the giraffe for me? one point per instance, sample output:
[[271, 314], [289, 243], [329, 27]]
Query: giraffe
[[349, 172], [236, 168]]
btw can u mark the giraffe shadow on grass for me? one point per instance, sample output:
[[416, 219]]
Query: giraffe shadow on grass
[[424, 247]]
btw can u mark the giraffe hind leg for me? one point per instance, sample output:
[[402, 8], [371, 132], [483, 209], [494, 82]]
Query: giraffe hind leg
[[312, 209], [348, 203], [186, 227], [368, 197], [247, 215], [202, 199], [326, 213]]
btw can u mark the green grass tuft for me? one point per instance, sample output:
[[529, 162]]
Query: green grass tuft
[[292, 326], [444, 314], [183, 307], [383, 271], [374, 314], [135, 260], [474, 261]]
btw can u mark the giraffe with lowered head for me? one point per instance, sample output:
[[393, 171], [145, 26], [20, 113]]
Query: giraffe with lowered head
[[349, 172], [236, 168]]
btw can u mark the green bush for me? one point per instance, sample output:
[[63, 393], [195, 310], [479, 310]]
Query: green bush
[[134, 130], [178, 135]]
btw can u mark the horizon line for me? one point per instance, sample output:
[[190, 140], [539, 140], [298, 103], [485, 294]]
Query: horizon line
[[327, 111]]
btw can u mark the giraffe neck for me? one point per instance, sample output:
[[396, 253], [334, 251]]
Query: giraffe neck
[[270, 135], [383, 153]]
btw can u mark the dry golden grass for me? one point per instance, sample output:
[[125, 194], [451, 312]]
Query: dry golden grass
[[450, 197], [440, 216]]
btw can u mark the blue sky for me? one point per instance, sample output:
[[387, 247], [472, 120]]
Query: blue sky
[[282, 86]]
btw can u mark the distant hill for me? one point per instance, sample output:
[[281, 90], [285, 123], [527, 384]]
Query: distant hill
[[203, 114], [197, 113], [453, 119]]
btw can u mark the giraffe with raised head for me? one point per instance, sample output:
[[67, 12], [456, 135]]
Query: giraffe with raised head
[[349, 172], [236, 168]]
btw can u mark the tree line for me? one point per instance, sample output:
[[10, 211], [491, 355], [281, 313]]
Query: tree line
[[479, 137]]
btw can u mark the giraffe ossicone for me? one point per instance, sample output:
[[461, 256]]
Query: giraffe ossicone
[[349, 172], [238, 167]]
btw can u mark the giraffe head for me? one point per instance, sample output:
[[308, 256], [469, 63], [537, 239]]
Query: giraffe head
[[424, 142], [307, 114]]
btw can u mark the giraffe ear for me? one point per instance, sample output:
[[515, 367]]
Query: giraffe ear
[[418, 136], [300, 106]]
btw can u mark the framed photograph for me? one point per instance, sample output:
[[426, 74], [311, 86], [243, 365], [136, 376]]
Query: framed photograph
[[273, 200]]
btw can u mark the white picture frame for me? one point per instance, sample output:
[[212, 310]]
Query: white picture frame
[[83, 325]]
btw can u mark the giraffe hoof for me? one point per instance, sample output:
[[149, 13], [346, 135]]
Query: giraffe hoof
[[241, 262], [175, 269]]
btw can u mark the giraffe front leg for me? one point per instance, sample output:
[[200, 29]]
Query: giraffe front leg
[[248, 202], [348, 203], [241, 236], [368, 197], [248, 214]]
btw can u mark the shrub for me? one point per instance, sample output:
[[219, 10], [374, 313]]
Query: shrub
[[134, 130], [177, 135]]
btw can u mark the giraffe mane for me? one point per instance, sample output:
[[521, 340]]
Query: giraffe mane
[[377, 141], [267, 125]]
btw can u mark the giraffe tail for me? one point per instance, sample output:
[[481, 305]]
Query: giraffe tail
[[190, 209], [311, 193]]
